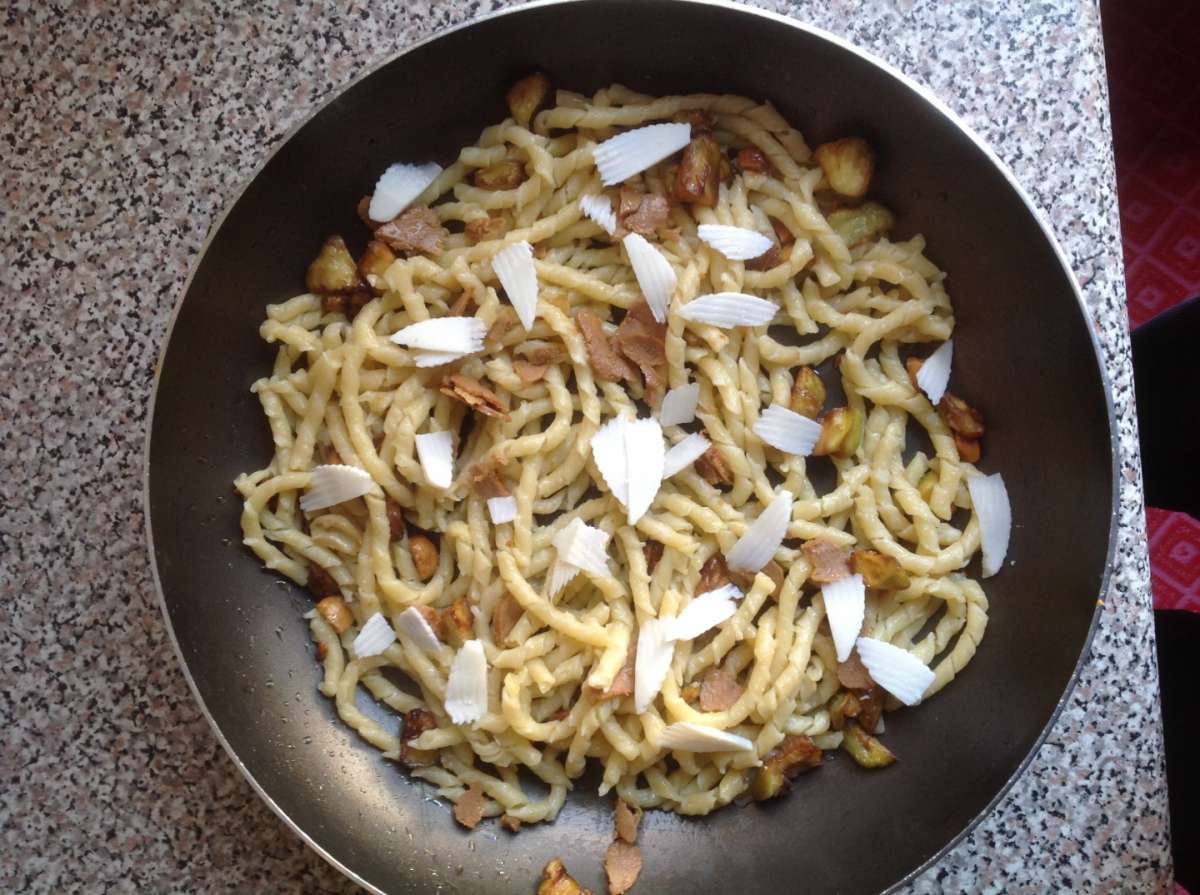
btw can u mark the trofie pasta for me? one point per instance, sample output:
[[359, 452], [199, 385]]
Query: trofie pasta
[[502, 557]]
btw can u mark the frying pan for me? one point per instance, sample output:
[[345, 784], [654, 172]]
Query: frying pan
[[1024, 352]]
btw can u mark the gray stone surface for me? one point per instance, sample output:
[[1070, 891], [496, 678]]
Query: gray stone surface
[[125, 128]]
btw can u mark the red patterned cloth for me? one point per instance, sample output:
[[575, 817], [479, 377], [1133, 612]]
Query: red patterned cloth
[[1150, 49]]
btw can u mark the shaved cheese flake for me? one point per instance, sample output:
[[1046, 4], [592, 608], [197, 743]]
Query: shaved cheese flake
[[333, 484], [502, 509], [599, 209], [655, 275], [896, 670], [702, 614], [735, 243], [398, 186], [644, 461], [466, 688], [679, 405], [689, 737], [762, 538], [449, 335], [513, 266], [729, 309], [583, 546], [684, 454], [414, 625], [845, 607], [619, 158], [934, 375], [651, 663], [608, 450], [560, 576], [435, 358], [435, 450], [787, 430], [989, 497], [374, 637]]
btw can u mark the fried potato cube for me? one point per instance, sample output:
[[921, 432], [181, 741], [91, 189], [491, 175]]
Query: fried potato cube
[[879, 569], [505, 175], [333, 270], [527, 96], [848, 164], [841, 433], [808, 393]]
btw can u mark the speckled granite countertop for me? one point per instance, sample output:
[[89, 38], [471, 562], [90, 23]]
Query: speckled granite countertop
[[125, 129]]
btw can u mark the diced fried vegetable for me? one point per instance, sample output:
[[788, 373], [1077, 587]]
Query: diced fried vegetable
[[505, 175], [652, 551], [395, 516], [841, 432], [968, 448], [848, 164], [416, 722], [457, 618], [870, 703], [699, 172], [772, 257], [505, 614], [424, 554], [556, 881], [879, 569], [713, 574], [418, 229], [719, 690], [527, 96], [844, 705], [793, 756], [321, 583], [753, 159], [960, 417], [376, 259], [865, 223], [335, 611], [830, 561], [333, 270], [864, 748], [808, 393], [483, 229], [713, 467]]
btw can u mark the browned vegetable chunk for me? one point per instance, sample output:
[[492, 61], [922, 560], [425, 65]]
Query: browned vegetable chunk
[[719, 690], [474, 394], [416, 722], [457, 618], [376, 259], [754, 160], [713, 467], [395, 517], [844, 705], [699, 172], [483, 229], [652, 551], [556, 881], [418, 229], [870, 703], [335, 611], [505, 614], [505, 175], [848, 164], [622, 865], [960, 417], [639, 212], [793, 756], [879, 569], [468, 810], [852, 674], [713, 574], [841, 432], [486, 483], [510, 823], [424, 554], [643, 340], [830, 561], [333, 270], [606, 361], [321, 583], [782, 233], [626, 818], [968, 448], [432, 618], [772, 257], [867, 222], [808, 393], [527, 96], [864, 748]]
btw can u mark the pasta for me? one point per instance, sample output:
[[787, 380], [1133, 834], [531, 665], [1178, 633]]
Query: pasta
[[522, 415]]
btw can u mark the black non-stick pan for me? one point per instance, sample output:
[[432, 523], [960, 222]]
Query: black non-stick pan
[[1023, 351]]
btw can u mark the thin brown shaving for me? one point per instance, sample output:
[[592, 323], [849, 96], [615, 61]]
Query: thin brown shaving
[[474, 394]]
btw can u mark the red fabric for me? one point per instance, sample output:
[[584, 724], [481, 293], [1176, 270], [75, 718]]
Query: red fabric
[[1151, 50]]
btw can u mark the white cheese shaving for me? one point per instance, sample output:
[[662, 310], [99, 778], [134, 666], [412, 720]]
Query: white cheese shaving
[[678, 406], [560, 576], [466, 687], [435, 450], [608, 450], [583, 546], [845, 607], [513, 266], [456, 336], [684, 454], [689, 737], [651, 663], [502, 509], [655, 275], [787, 430], [600, 210], [762, 538], [934, 375], [619, 158], [702, 614], [735, 243], [896, 670], [989, 497], [374, 637], [729, 309], [414, 625], [398, 186], [434, 358], [332, 484], [644, 461]]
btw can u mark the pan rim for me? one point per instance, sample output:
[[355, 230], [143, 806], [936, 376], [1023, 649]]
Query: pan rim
[[862, 55]]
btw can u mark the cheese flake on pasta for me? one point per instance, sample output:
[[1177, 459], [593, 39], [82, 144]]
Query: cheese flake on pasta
[[934, 375], [735, 243], [560, 576], [729, 309], [398, 186], [413, 624], [989, 497], [705, 612], [762, 538], [466, 687], [684, 454], [333, 484], [458, 336], [374, 637], [896, 670], [502, 509], [787, 430], [845, 607], [678, 406], [652, 662], [599, 209], [608, 450], [583, 547], [435, 450], [654, 273], [513, 266], [688, 737], [619, 158], [644, 462]]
